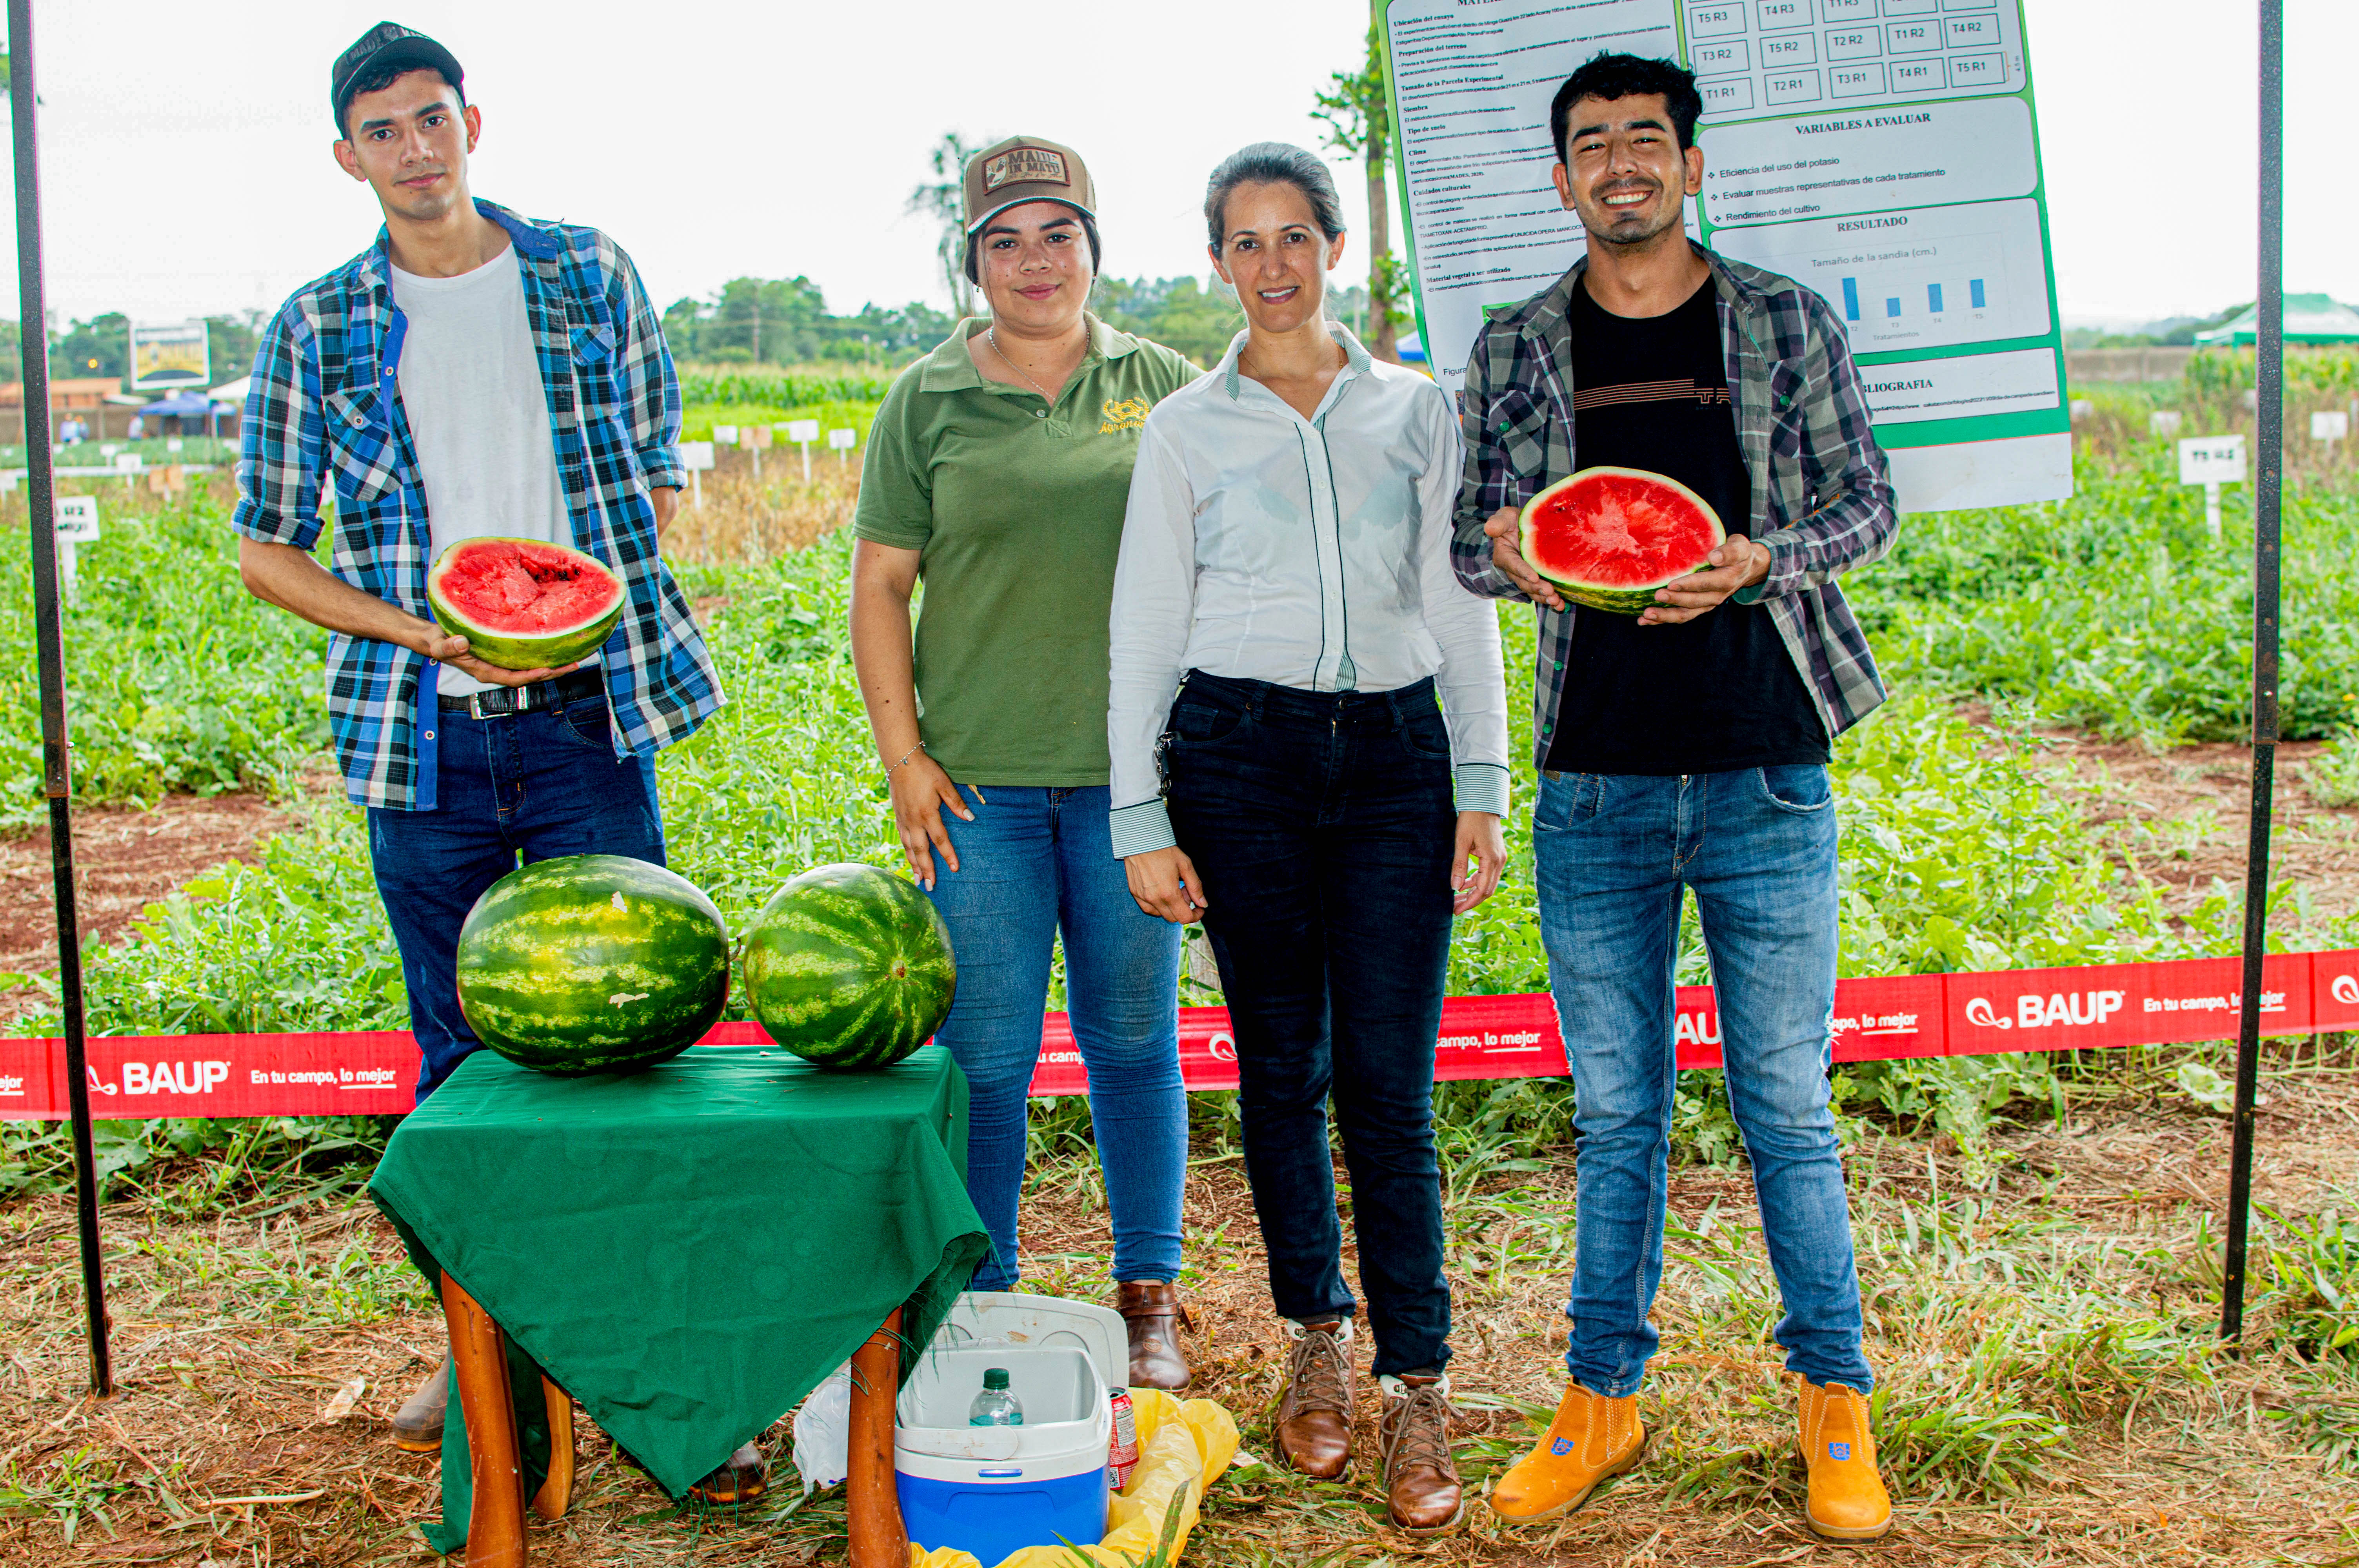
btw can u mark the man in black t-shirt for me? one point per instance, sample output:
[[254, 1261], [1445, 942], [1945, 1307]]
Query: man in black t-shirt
[[1685, 747]]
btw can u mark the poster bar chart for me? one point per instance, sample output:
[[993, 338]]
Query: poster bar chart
[[1933, 296]]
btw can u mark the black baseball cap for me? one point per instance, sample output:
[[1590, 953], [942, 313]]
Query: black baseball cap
[[386, 44]]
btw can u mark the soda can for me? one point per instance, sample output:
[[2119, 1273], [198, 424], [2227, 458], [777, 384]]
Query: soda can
[[1122, 1452]]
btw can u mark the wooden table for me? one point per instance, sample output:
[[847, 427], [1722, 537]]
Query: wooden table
[[495, 1530]]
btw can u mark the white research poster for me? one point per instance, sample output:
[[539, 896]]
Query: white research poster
[[1884, 152]]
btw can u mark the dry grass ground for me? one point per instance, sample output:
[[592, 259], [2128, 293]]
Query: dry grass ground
[[2054, 1392], [741, 518]]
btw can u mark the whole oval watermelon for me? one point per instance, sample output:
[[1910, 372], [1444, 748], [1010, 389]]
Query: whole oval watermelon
[[592, 964], [849, 966]]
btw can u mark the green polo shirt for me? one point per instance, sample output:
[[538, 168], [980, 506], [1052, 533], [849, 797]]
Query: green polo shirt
[[1017, 507]]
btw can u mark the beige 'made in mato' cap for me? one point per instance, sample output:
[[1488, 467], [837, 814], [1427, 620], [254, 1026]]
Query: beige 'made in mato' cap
[[1026, 168]]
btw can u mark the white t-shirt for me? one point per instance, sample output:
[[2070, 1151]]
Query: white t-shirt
[[471, 386]]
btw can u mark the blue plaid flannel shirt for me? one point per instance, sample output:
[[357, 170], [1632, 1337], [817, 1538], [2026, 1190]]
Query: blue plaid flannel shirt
[[1822, 494], [325, 413]]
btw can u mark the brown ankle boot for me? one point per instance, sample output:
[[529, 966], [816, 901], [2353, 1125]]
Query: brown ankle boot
[[417, 1425], [745, 1477], [1151, 1310], [1422, 1488], [1314, 1417]]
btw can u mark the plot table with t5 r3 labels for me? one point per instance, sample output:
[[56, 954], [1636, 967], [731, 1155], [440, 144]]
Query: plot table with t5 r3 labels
[[686, 1252]]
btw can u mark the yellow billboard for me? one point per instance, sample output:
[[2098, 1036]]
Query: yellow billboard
[[168, 353]]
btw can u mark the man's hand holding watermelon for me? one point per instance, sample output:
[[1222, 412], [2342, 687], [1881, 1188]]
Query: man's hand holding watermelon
[[1736, 563]]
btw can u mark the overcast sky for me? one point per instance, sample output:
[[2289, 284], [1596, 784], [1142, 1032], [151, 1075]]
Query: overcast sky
[[187, 169]]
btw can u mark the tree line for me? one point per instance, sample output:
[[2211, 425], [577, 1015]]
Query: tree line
[[785, 320]]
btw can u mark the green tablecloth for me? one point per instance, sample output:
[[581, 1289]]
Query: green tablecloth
[[690, 1249]]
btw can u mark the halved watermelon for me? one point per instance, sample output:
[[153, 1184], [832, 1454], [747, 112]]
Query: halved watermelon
[[1609, 538], [524, 604]]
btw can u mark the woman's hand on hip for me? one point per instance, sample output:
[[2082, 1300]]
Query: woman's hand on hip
[[1165, 884], [921, 791], [1479, 841]]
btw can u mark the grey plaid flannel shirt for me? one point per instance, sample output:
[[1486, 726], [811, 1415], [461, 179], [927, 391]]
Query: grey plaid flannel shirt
[[324, 417], [1821, 496]]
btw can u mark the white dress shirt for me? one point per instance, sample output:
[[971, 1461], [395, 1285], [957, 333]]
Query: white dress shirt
[[1306, 553]]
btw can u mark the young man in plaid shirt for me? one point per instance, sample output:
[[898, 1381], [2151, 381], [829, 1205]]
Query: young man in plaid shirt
[[1686, 748], [472, 374]]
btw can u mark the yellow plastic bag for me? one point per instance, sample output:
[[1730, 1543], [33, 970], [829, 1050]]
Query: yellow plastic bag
[[1183, 1448]]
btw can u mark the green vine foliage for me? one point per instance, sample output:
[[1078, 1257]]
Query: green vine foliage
[[1964, 845]]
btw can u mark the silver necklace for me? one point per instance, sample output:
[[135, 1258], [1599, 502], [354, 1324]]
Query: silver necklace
[[992, 334]]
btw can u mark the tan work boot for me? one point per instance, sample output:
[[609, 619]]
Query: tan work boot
[[1151, 1310], [1421, 1488], [1592, 1439], [1314, 1416], [1848, 1501], [417, 1425]]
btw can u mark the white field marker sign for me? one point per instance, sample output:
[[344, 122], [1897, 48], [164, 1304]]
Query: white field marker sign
[[725, 435], [76, 523], [2329, 425], [841, 442], [128, 465], [802, 433], [755, 438], [696, 457], [2164, 421], [2211, 461]]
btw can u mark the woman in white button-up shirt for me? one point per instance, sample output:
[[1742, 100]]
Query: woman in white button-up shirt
[[1285, 616]]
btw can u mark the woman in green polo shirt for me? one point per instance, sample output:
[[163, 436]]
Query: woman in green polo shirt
[[998, 471]]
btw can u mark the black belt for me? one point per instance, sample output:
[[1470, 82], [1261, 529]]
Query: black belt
[[505, 699]]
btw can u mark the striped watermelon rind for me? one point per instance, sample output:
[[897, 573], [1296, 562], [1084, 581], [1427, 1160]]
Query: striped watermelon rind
[[1665, 530], [592, 964], [849, 966]]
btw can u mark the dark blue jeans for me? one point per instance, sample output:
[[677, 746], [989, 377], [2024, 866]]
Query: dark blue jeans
[[536, 785], [1322, 825]]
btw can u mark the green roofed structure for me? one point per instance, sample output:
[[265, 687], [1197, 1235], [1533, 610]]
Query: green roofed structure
[[2309, 318]]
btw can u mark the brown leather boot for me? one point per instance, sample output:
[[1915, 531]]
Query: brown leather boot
[[417, 1425], [1151, 1310], [1314, 1416], [744, 1477], [1421, 1488]]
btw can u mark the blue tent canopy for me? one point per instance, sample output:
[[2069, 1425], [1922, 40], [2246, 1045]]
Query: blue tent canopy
[[180, 404]]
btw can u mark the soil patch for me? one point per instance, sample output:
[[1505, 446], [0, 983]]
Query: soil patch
[[2074, 1298], [2186, 819], [124, 859]]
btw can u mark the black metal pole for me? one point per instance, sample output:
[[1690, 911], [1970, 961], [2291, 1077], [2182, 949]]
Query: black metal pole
[[2268, 487], [48, 634]]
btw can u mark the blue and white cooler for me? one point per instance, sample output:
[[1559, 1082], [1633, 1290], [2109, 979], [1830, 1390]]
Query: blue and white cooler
[[992, 1490]]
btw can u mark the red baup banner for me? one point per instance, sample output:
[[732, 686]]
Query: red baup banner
[[376, 1073]]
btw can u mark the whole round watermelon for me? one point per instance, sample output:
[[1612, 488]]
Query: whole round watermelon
[[1609, 538], [592, 964], [849, 966]]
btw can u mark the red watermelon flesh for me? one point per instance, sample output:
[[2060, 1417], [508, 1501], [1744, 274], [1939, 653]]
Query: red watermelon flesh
[[524, 604], [1609, 538]]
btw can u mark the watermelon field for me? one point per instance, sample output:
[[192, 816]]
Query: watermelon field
[[2056, 781]]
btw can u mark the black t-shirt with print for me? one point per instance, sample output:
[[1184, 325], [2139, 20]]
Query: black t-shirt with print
[[1714, 693]]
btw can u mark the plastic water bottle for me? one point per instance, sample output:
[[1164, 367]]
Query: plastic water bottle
[[995, 1406]]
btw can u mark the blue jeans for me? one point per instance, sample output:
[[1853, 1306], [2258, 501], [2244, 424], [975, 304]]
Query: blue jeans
[[1321, 824], [536, 784], [1033, 863], [1758, 846]]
